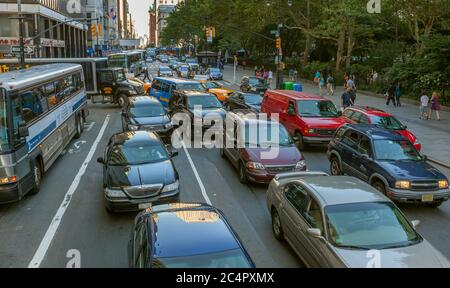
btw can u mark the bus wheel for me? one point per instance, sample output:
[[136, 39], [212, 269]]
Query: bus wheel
[[123, 100], [37, 171], [78, 126]]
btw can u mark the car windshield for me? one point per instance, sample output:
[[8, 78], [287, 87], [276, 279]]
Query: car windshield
[[395, 150], [190, 87], [120, 76], [256, 81], [214, 70], [165, 69], [206, 101], [224, 259], [377, 225], [147, 111], [266, 135], [317, 108], [211, 85], [253, 99], [388, 122], [184, 69], [137, 154]]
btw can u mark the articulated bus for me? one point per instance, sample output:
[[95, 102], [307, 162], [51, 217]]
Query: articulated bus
[[131, 61], [90, 67], [41, 109]]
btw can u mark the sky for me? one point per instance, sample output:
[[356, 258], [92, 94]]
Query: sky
[[139, 12]]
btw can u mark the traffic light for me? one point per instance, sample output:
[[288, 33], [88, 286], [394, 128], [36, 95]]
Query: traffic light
[[278, 43], [94, 30]]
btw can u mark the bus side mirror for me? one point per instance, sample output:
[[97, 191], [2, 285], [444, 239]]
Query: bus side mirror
[[23, 130]]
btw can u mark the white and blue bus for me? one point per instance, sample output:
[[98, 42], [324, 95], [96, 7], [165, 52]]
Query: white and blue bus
[[41, 109]]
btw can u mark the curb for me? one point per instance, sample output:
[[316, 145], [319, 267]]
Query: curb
[[440, 163]]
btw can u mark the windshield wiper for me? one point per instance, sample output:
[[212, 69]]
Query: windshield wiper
[[353, 247]]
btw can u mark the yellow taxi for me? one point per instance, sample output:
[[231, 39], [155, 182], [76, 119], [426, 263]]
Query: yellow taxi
[[217, 89]]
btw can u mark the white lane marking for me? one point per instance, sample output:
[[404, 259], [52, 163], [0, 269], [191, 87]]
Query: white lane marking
[[197, 176], [88, 126], [51, 231]]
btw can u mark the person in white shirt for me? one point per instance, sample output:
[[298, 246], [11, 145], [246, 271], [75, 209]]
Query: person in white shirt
[[424, 100]]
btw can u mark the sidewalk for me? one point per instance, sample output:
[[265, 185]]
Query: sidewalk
[[434, 135]]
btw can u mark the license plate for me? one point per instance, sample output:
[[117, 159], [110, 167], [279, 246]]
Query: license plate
[[427, 198], [145, 206], [107, 99]]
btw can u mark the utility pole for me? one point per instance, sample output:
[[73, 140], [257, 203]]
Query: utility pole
[[21, 35]]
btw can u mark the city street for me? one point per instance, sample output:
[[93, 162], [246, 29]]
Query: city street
[[102, 238]]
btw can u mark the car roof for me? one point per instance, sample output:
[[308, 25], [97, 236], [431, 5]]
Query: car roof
[[337, 190], [189, 93], [186, 229], [143, 100], [297, 95], [250, 117], [135, 137], [376, 132], [175, 80], [370, 111]]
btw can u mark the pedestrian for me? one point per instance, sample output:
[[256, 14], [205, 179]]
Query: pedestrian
[[435, 106], [330, 83], [321, 84], [317, 78], [398, 94], [346, 99], [145, 72], [256, 69], [266, 76], [346, 78], [390, 95], [424, 100], [352, 86], [270, 76]]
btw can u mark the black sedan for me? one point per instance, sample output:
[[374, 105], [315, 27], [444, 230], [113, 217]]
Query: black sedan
[[240, 100], [137, 172], [185, 235], [146, 113]]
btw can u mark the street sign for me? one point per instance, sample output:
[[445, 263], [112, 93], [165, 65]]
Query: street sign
[[26, 49]]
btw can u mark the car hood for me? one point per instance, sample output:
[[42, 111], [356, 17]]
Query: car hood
[[411, 170], [220, 90], [421, 255], [137, 175], [285, 155], [324, 123], [151, 120]]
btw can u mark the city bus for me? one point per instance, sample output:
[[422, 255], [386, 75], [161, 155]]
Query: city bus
[[41, 109], [130, 61], [90, 68]]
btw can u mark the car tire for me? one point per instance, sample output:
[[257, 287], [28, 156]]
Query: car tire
[[435, 204], [379, 186], [277, 229], [37, 172], [300, 142], [335, 167], [243, 178], [122, 100]]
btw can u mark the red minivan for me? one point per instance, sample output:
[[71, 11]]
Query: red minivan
[[309, 118]]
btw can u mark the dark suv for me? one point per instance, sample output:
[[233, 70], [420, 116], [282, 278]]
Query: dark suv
[[387, 161]]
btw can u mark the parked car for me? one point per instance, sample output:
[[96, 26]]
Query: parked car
[[185, 235], [311, 119], [146, 113], [388, 162], [250, 152], [369, 115], [240, 100], [214, 74], [138, 171], [164, 71], [336, 221], [217, 89]]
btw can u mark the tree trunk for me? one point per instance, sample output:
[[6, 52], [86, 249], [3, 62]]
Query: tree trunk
[[340, 49], [348, 59], [308, 37]]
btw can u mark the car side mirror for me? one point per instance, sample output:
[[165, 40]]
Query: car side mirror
[[23, 130], [100, 160], [174, 153], [415, 223], [314, 232]]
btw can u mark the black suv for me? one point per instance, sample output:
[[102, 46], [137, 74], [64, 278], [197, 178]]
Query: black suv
[[387, 161], [146, 113]]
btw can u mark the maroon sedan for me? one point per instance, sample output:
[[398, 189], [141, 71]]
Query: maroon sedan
[[260, 149]]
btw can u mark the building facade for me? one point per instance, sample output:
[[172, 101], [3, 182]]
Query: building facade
[[152, 26], [163, 9], [49, 29]]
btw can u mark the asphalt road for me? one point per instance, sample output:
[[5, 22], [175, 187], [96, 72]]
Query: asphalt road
[[101, 238]]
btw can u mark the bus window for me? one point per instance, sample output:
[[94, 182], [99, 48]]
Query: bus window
[[50, 93], [156, 84], [77, 82], [30, 107], [17, 119]]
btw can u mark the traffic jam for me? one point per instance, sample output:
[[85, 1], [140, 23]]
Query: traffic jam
[[141, 143]]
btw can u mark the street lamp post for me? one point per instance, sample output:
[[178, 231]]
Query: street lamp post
[[20, 17]]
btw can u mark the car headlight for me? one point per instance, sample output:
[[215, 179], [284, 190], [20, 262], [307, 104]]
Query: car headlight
[[300, 164], [310, 131], [168, 125], [133, 127], [115, 193], [255, 166], [402, 184], [171, 187], [443, 184]]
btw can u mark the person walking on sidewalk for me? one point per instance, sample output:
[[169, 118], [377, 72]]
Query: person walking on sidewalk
[[352, 86], [321, 84], [435, 106], [390, 95], [346, 99], [270, 77], [330, 83], [424, 100], [398, 94]]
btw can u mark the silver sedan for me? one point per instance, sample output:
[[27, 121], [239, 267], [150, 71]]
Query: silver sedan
[[339, 221]]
